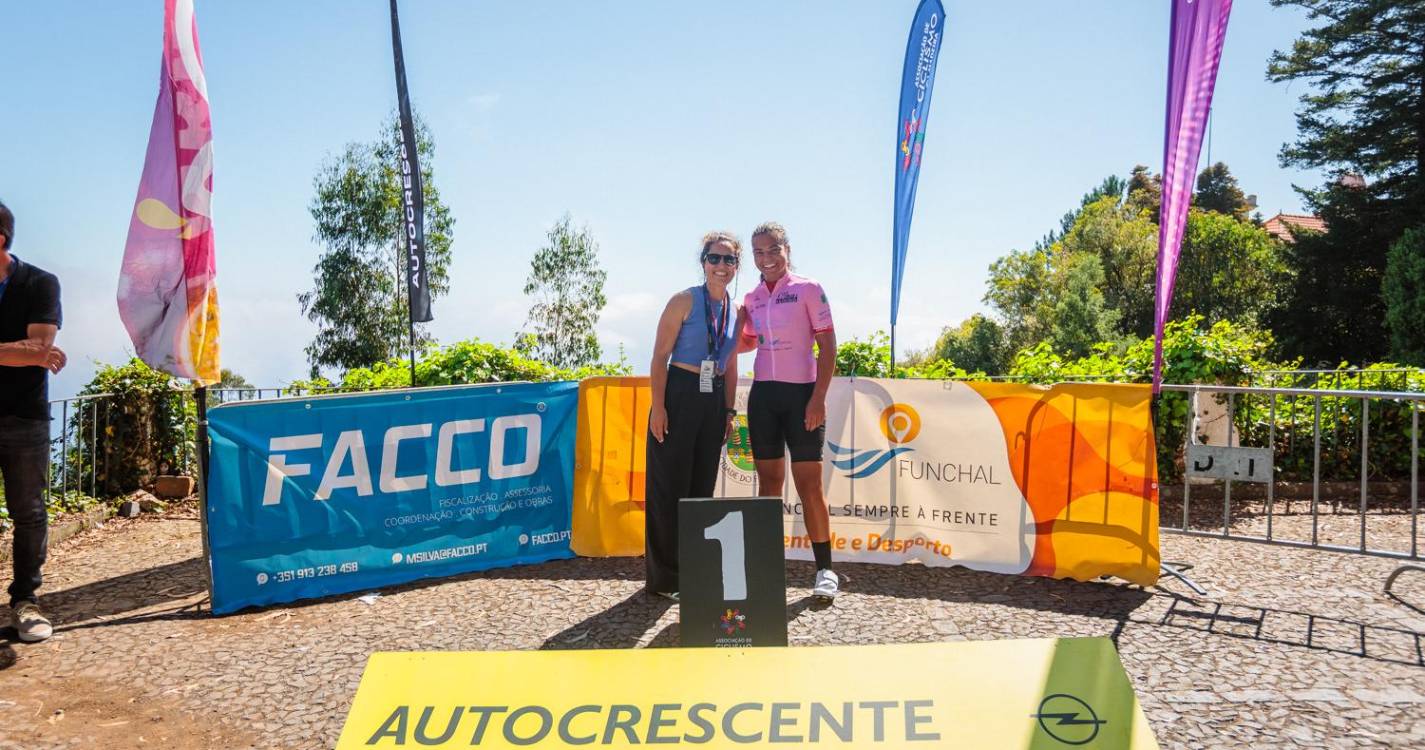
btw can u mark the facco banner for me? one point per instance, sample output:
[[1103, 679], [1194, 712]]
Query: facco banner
[[326, 495], [989, 694], [1057, 481]]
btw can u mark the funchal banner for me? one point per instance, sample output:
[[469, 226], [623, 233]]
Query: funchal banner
[[331, 494], [1056, 481], [990, 694]]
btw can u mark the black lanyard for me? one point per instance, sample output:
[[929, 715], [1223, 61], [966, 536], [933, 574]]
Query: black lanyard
[[715, 333]]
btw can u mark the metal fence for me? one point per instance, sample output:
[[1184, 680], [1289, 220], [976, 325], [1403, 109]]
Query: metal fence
[[1359, 379], [1346, 378], [1308, 431], [1342, 469], [69, 472], [88, 441], [1344, 464]]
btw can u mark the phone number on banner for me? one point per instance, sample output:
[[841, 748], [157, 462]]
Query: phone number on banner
[[316, 571]]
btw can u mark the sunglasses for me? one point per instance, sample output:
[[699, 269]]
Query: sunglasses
[[716, 259]]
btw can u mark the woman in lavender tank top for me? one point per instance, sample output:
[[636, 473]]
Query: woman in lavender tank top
[[692, 410]]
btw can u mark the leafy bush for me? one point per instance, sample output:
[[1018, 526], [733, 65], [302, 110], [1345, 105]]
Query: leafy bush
[[871, 358], [461, 363], [1225, 354], [1288, 423], [144, 429]]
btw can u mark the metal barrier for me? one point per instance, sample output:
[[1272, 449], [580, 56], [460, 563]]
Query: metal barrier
[[1352, 378], [68, 450], [1314, 438], [1374, 433], [82, 447]]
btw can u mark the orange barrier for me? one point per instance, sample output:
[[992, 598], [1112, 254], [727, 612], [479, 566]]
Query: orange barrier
[[609, 461], [1058, 481]]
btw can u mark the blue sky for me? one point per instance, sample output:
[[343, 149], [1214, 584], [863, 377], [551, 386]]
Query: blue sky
[[650, 123]]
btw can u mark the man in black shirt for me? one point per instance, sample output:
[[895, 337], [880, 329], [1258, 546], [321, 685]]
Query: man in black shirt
[[29, 319]]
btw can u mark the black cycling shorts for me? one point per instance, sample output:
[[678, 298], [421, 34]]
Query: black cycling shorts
[[776, 421]]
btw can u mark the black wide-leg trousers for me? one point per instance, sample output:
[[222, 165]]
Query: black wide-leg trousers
[[685, 464]]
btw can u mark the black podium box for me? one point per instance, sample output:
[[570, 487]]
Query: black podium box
[[732, 578]]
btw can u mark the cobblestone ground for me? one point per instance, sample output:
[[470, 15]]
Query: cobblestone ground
[[1293, 648]]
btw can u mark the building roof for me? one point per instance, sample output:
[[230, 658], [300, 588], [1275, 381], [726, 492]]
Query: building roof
[[1283, 225]]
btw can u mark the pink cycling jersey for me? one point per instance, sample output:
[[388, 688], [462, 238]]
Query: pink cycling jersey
[[785, 321]]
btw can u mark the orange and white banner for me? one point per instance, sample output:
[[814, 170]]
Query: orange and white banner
[[1057, 481]]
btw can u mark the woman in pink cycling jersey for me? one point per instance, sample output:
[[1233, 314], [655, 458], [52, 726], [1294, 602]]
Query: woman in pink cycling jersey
[[786, 410]]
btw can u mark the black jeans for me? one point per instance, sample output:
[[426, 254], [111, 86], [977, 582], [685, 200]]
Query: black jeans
[[685, 464], [24, 462]]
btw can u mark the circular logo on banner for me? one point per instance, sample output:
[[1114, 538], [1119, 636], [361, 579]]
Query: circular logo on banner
[[395, 557], [524, 538], [1068, 719], [261, 578], [739, 445], [900, 423]]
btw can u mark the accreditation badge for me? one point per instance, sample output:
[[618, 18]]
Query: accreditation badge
[[705, 376]]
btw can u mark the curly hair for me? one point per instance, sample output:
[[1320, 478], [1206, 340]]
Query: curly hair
[[716, 236]]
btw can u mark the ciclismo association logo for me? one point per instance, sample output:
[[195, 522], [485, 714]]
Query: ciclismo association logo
[[900, 424], [732, 621]]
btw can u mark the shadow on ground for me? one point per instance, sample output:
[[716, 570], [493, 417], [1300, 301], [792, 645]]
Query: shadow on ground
[[132, 597]]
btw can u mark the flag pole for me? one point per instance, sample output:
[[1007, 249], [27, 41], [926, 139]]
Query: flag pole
[[410, 313], [200, 396], [893, 350], [413, 203], [922, 52]]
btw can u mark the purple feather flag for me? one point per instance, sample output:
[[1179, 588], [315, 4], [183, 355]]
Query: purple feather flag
[[1195, 49]]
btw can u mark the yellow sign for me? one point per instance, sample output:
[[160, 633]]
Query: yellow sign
[[992, 694]]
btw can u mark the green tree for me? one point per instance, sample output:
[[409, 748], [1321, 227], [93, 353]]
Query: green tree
[[978, 344], [1112, 185], [1018, 291], [1082, 318], [229, 380], [1404, 292], [1365, 109], [1217, 190], [358, 300], [1125, 242], [567, 285], [1229, 270], [1363, 115], [1145, 193], [1332, 310]]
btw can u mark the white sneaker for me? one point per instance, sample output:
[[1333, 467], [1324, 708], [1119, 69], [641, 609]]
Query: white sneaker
[[30, 625], [827, 584]]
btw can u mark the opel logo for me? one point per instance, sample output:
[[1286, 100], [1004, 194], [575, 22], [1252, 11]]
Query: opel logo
[[1068, 719]]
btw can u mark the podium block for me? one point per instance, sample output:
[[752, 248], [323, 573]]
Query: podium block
[[732, 577]]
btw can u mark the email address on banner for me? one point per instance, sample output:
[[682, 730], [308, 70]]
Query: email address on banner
[[438, 555]]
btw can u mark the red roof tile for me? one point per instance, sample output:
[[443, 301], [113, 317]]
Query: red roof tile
[[1282, 225]]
